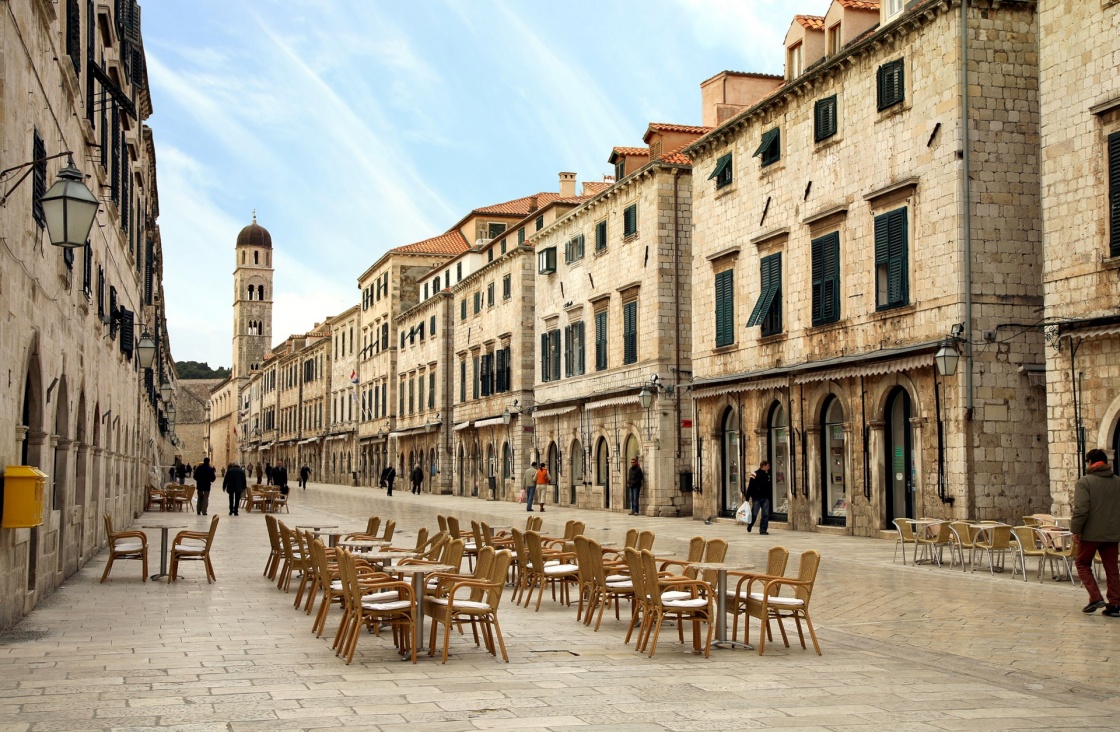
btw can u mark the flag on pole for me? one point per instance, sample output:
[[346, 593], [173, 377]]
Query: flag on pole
[[353, 377]]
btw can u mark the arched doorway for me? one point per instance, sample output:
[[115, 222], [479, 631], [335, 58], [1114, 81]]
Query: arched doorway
[[899, 454], [1116, 450], [834, 494], [778, 432], [632, 450], [462, 469], [603, 469], [576, 471], [554, 471], [31, 451], [731, 456]]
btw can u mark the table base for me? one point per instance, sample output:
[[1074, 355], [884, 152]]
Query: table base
[[732, 644]]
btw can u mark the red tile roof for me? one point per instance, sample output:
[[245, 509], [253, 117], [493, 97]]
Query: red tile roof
[[811, 22], [676, 157], [451, 243], [667, 127], [640, 151], [518, 206], [860, 4], [595, 187]]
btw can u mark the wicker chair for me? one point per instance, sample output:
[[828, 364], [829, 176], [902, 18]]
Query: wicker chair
[[1028, 541], [562, 572], [396, 609], [765, 603], [193, 546], [776, 560], [125, 545], [906, 536], [992, 540], [472, 599]]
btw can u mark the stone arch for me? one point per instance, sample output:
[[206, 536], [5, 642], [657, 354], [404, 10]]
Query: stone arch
[[1106, 430], [766, 401], [260, 292], [880, 394], [816, 399]]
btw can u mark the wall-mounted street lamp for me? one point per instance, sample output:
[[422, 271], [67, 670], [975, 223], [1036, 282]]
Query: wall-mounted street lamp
[[68, 206], [946, 360], [645, 396], [165, 391], [146, 350]]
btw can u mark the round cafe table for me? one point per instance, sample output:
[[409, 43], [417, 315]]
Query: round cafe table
[[162, 545], [362, 544], [721, 569], [417, 571]]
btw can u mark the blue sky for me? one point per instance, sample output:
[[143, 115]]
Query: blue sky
[[354, 126]]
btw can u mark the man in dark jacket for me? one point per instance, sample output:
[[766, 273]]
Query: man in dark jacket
[[234, 484], [280, 478], [388, 475], [417, 478], [304, 474], [635, 479], [760, 492], [204, 477], [1096, 527]]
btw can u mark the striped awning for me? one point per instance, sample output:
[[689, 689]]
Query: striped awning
[[542, 413], [613, 402], [872, 369], [489, 422], [462, 426], [760, 385]]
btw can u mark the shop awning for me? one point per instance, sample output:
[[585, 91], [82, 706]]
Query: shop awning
[[542, 413], [489, 422], [462, 426], [759, 385], [613, 402]]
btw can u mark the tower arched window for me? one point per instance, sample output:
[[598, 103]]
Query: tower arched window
[[260, 292], [256, 257], [251, 292]]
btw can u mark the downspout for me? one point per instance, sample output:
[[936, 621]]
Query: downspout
[[677, 313], [966, 195]]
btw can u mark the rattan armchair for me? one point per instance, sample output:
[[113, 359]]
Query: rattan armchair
[[765, 603], [125, 545], [474, 600], [193, 546]]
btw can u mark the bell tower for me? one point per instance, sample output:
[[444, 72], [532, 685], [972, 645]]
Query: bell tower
[[252, 299]]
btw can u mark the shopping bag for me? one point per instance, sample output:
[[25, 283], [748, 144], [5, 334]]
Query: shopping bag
[[743, 513], [521, 498]]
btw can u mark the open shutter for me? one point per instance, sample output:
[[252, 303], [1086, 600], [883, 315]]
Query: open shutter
[[1114, 193], [568, 350], [545, 360], [765, 296], [127, 335], [725, 308], [484, 376], [831, 287]]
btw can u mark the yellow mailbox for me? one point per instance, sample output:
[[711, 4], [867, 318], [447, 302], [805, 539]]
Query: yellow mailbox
[[23, 496]]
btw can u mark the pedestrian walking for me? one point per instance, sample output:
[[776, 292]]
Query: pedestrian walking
[[259, 473], [543, 480], [280, 478], [760, 492], [388, 476], [529, 486], [234, 484], [268, 473], [1096, 529], [204, 477], [417, 478], [180, 471], [172, 474], [635, 480], [304, 474]]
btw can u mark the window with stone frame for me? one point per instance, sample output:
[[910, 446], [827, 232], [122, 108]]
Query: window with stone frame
[[601, 235], [824, 118], [630, 332], [490, 295], [550, 355], [601, 340], [574, 360], [462, 380], [770, 147], [475, 360], [507, 287], [825, 255], [630, 221], [725, 308], [723, 172], [768, 308], [891, 84], [1114, 194]]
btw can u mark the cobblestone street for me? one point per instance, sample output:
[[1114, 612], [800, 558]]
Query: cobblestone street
[[904, 648]]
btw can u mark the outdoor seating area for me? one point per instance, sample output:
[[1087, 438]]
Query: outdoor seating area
[[972, 544], [170, 497], [455, 579]]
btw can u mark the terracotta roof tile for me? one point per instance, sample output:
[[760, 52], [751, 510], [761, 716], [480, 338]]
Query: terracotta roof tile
[[595, 187], [451, 243], [518, 206], [676, 157], [667, 127], [811, 22], [860, 4]]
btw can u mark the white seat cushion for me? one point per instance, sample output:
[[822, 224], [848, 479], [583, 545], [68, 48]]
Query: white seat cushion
[[620, 585], [127, 546], [618, 578], [461, 604], [685, 604], [778, 601], [336, 585], [560, 569], [387, 606], [189, 548], [380, 597], [672, 595]]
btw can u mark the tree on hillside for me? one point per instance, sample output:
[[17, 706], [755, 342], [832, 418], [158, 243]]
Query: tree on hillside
[[199, 370]]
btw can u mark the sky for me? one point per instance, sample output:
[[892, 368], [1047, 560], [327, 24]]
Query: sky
[[355, 126]]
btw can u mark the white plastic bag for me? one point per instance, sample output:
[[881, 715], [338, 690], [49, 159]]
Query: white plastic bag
[[743, 513]]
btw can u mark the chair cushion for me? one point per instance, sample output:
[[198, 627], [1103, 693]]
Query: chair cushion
[[336, 586], [461, 604], [779, 601], [380, 597], [127, 546], [387, 606], [618, 578], [189, 548], [672, 595], [689, 603], [560, 568], [620, 585]]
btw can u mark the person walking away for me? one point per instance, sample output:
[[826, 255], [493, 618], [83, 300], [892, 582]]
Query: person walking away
[[180, 471], [171, 474], [234, 484], [259, 473], [280, 478], [529, 483], [543, 480], [1096, 529], [635, 479], [760, 492], [204, 477], [417, 478], [304, 474], [388, 476], [268, 473]]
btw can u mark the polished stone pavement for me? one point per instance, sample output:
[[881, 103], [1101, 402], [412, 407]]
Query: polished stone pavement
[[905, 648]]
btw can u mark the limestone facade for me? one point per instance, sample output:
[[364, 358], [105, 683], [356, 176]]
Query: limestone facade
[[1079, 50], [340, 444], [828, 269], [611, 315], [78, 406], [192, 418]]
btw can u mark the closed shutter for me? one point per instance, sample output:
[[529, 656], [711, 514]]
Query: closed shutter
[[474, 379], [896, 246], [509, 368], [725, 308], [462, 381], [892, 84], [580, 340], [113, 314], [568, 350], [1114, 193], [554, 348], [501, 371], [546, 361], [601, 340], [149, 270], [432, 326], [38, 179], [432, 390], [485, 375], [824, 122], [630, 220], [115, 156], [601, 235], [74, 35], [87, 271], [826, 278], [630, 332]]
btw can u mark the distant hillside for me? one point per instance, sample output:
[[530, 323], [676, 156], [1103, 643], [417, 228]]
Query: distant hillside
[[196, 370]]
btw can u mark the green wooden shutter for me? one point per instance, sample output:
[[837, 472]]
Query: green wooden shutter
[[432, 390], [816, 247], [501, 375], [546, 362], [725, 308], [897, 289], [474, 380], [38, 179], [568, 350], [764, 294], [601, 235], [826, 277], [601, 340], [462, 381], [554, 348], [581, 340], [630, 220], [630, 332], [1114, 193]]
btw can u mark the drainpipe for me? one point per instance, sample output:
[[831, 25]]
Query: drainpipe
[[677, 315], [966, 195]]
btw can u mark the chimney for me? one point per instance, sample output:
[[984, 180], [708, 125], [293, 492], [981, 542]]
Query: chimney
[[567, 185], [730, 92]]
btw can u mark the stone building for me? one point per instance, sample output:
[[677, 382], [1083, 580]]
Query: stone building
[[78, 407], [314, 400], [192, 417], [830, 227], [340, 446], [1079, 50], [611, 319], [389, 287]]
